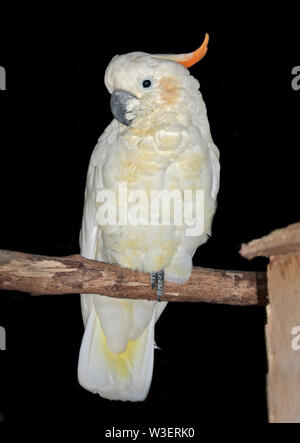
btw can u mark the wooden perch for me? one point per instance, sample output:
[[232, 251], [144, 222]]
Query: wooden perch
[[40, 275]]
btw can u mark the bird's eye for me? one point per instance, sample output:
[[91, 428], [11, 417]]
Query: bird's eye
[[146, 83]]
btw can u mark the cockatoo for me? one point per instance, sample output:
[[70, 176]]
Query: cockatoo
[[159, 140]]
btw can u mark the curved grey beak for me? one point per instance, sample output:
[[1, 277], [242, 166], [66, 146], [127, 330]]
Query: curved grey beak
[[118, 105]]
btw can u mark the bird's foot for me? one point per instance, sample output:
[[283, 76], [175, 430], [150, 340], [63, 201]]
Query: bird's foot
[[157, 279]]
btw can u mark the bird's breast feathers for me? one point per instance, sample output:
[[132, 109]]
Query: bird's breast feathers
[[172, 160]]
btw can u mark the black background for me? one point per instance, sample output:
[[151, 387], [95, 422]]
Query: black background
[[212, 366]]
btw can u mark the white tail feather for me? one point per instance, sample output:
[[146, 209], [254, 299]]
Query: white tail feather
[[123, 376]]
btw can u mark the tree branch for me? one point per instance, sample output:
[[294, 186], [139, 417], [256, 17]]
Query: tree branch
[[40, 275]]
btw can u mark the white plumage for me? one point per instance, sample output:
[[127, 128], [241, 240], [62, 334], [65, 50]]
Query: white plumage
[[167, 145]]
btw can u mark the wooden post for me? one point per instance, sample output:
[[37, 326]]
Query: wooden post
[[283, 325]]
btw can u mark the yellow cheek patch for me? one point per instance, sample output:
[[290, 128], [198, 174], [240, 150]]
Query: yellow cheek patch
[[169, 90]]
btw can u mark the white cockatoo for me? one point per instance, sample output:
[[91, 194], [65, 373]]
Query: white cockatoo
[[159, 140]]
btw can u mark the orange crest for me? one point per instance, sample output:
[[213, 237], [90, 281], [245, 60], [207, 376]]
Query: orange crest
[[189, 59]]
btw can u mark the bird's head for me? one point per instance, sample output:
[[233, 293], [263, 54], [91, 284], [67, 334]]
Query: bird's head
[[144, 87]]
